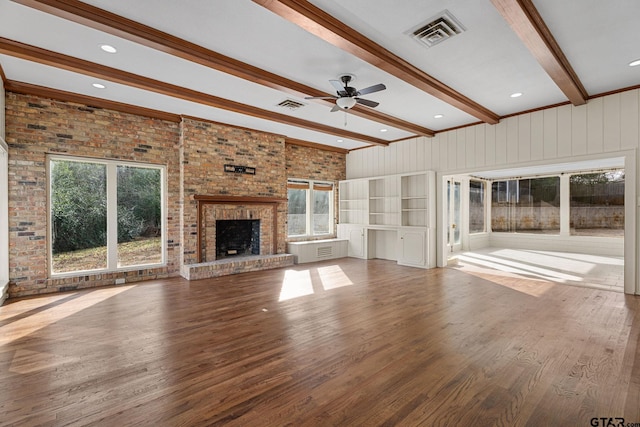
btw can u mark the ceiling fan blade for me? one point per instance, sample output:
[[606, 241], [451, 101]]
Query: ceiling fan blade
[[335, 108], [371, 89], [338, 85], [320, 97], [367, 102]]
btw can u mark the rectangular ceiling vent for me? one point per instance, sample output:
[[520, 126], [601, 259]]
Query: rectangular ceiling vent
[[439, 28], [291, 104]]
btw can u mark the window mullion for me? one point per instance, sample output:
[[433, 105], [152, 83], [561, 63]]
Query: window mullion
[[309, 229], [112, 216], [565, 205]]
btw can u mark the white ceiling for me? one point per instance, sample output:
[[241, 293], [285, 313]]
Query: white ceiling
[[486, 63]]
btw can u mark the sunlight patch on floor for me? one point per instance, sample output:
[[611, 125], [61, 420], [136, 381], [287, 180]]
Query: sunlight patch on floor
[[534, 267], [12, 331], [530, 286], [8, 311], [555, 261], [296, 284], [333, 277], [27, 361], [299, 283], [512, 266], [582, 258]]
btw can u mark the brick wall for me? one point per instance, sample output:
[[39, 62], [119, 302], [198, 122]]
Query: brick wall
[[323, 165], [204, 150], [193, 151], [313, 163], [37, 126]]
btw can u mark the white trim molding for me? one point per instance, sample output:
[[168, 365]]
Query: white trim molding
[[4, 220]]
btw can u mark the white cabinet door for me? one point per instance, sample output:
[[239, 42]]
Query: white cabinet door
[[355, 235], [412, 247]]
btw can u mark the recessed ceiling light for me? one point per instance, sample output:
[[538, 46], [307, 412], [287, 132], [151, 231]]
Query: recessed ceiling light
[[98, 86], [438, 116], [340, 140], [516, 95], [634, 63], [383, 130], [108, 48]]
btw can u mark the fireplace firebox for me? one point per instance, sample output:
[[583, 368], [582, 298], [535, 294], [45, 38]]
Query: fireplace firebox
[[237, 237]]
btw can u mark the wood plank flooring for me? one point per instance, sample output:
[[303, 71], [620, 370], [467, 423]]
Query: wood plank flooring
[[339, 343]]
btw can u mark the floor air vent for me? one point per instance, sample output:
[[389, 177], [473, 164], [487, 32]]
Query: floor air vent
[[324, 251], [439, 28]]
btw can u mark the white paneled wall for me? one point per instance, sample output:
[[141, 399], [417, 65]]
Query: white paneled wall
[[604, 125], [607, 125]]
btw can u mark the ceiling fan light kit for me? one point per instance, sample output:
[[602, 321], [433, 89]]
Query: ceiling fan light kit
[[345, 103]]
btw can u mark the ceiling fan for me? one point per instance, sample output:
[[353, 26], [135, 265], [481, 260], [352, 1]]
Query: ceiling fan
[[347, 96]]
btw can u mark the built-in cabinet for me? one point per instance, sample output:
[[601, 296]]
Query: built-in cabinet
[[413, 247], [390, 217], [355, 235]]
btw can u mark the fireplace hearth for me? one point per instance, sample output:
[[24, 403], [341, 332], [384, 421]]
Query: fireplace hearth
[[238, 237]]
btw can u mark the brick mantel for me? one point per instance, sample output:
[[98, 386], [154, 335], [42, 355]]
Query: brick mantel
[[203, 199]]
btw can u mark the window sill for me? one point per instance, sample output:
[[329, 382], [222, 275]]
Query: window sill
[[66, 274]]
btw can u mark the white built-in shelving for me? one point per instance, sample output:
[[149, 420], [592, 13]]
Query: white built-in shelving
[[383, 201], [390, 211], [354, 199]]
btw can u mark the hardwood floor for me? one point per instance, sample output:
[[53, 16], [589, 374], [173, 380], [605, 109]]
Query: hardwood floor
[[359, 343]]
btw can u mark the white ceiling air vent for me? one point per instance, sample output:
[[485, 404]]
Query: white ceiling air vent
[[439, 28], [291, 104]]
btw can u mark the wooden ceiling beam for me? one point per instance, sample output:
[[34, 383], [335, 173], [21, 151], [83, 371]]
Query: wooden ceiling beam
[[331, 30], [301, 143], [61, 95], [54, 59], [527, 23], [102, 20]]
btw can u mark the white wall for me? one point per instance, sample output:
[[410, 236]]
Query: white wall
[[604, 127], [4, 205]]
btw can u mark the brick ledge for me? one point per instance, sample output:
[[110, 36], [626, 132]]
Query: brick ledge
[[236, 265]]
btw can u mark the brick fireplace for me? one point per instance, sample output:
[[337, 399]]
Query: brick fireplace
[[216, 210]]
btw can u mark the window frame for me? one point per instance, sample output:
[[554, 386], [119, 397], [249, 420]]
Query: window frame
[[309, 201], [112, 218], [485, 199], [564, 203], [4, 216], [572, 231], [513, 189]]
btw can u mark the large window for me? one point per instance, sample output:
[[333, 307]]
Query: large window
[[597, 204], [476, 206], [526, 205], [104, 215], [310, 208]]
